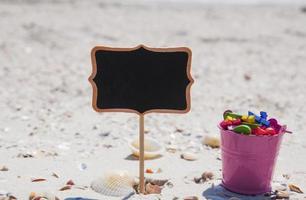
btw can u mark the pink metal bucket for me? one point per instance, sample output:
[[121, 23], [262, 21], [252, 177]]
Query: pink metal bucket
[[248, 161]]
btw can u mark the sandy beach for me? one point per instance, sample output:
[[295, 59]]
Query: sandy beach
[[245, 57]]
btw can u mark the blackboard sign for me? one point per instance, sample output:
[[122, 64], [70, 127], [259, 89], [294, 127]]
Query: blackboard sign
[[141, 79]]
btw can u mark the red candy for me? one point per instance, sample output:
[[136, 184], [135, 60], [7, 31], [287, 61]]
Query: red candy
[[270, 131], [262, 131], [225, 124], [236, 121], [259, 131]]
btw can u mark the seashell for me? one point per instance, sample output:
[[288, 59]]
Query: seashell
[[295, 188], [66, 187], [114, 183], [152, 148], [38, 179], [189, 156], [152, 189], [42, 196], [213, 142], [282, 195], [172, 148], [159, 182]]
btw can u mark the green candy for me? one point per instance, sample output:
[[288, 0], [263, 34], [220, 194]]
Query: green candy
[[225, 114], [252, 126], [231, 114], [243, 129]]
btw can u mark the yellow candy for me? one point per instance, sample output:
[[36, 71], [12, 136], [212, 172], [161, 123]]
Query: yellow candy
[[251, 119], [244, 118], [229, 118]]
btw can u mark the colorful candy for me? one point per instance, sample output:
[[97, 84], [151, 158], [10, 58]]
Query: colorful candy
[[250, 119], [270, 131], [262, 119], [251, 124], [259, 131], [226, 123], [243, 129]]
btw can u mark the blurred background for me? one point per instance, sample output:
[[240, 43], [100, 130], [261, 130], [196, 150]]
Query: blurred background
[[247, 55]]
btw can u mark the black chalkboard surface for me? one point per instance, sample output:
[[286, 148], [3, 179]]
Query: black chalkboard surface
[[141, 79]]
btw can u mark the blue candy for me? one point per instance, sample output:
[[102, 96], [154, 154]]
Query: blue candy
[[264, 122], [250, 113], [263, 114], [262, 119]]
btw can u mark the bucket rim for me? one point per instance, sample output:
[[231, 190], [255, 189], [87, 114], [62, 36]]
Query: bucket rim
[[282, 132]]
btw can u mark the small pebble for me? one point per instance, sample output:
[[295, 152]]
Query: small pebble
[[179, 130], [82, 166], [247, 77], [286, 176], [211, 141], [197, 180], [70, 182], [149, 171], [55, 175], [191, 198], [280, 187], [207, 176], [25, 155], [169, 184], [4, 169], [189, 156], [105, 134]]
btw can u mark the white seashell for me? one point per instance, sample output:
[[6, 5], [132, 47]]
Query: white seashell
[[114, 183], [189, 156], [172, 148], [152, 148], [212, 141]]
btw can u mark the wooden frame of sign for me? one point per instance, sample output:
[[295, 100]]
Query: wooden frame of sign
[[91, 79]]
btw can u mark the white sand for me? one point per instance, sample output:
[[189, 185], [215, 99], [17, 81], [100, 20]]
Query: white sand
[[45, 98]]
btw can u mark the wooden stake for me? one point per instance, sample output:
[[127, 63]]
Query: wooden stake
[[141, 155]]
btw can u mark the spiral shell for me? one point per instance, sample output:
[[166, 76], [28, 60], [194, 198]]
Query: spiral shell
[[114, 183]]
